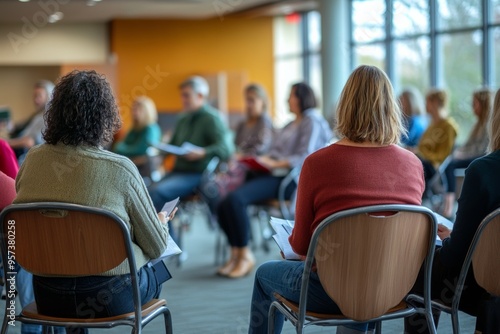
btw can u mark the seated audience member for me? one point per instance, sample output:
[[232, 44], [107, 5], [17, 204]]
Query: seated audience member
[[479, 197], [413, 119], [254, 135], [24, 280], [8, 161], [201, 125], [145, 131], [302, 136], [73, 167], [336, 178], [437, 141], [28, 134], [475, 147]]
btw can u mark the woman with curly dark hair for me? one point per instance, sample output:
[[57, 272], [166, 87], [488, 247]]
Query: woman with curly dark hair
[[72, 167]]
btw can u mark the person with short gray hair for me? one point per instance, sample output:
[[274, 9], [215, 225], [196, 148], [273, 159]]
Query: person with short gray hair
[[201, 125], [29, 133], [198, 84]]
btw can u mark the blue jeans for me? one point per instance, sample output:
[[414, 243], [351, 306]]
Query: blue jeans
[[175, 184], [285, 278], [92, 296]]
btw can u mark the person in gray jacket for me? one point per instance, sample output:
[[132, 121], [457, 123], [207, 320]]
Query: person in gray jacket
[[307, 133]]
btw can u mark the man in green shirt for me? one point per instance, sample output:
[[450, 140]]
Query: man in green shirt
[[200, 125]]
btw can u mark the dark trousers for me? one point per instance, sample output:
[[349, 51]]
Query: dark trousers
[[475, 300], [232, 211]]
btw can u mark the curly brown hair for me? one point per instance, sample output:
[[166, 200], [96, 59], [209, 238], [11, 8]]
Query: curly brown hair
[[82, 111]]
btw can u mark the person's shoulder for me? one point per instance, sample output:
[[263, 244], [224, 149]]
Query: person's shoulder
[[450, 124], [329, 152], [487, 162], [39, 149], [152, 128], [313, 115], [265, 120]]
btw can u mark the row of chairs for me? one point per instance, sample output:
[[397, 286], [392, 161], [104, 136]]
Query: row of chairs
[[366, 289], [72, 240]]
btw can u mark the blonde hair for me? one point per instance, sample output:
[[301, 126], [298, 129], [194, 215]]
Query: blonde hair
[[414, 99], [367, 109], [495, 124], [441, 97], [483, 96], [150, 115]]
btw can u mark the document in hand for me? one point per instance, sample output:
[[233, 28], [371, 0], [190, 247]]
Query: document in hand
[[283, 229], [253, 164], [170, 206], [443, 221], [184, 149]]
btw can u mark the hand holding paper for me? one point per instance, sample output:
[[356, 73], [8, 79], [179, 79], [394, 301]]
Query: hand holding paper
[[169, 208], [283, 229], [445, 227]]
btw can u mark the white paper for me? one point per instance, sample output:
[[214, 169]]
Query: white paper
[[172, 249], [283, 229], [443, 221], [171, 149], [170, 206]]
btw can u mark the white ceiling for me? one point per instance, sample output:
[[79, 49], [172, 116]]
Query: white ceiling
[[12, 11]]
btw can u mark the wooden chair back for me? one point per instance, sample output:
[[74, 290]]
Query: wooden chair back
[[367, 263], [486, 256], [59, 241]]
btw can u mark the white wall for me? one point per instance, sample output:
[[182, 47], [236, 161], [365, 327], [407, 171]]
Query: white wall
[[53, 44]]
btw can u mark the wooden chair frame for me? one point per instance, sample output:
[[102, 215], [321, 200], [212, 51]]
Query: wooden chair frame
[[61, 239], [301, 318]]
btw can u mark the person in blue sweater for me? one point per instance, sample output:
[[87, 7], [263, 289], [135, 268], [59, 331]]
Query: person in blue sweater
[[414, 117]]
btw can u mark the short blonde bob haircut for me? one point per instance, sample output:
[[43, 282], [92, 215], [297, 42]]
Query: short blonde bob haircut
[[495, 124], [149, 115], [367, 110]]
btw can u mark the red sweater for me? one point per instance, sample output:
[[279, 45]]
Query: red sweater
[[340, 177]]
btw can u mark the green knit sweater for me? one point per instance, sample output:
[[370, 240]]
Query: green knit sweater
[[204, 128], [97, 178]]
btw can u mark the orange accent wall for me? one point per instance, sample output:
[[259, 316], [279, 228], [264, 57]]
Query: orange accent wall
[[154, 56]]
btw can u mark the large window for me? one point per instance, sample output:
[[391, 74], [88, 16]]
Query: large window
[[297, 57], [451, 44]]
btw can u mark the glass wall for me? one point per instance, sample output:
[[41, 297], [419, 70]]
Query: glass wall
[[451, 44], [297, 47]]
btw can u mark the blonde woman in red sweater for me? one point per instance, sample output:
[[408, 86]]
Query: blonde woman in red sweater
[[366, 167]]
